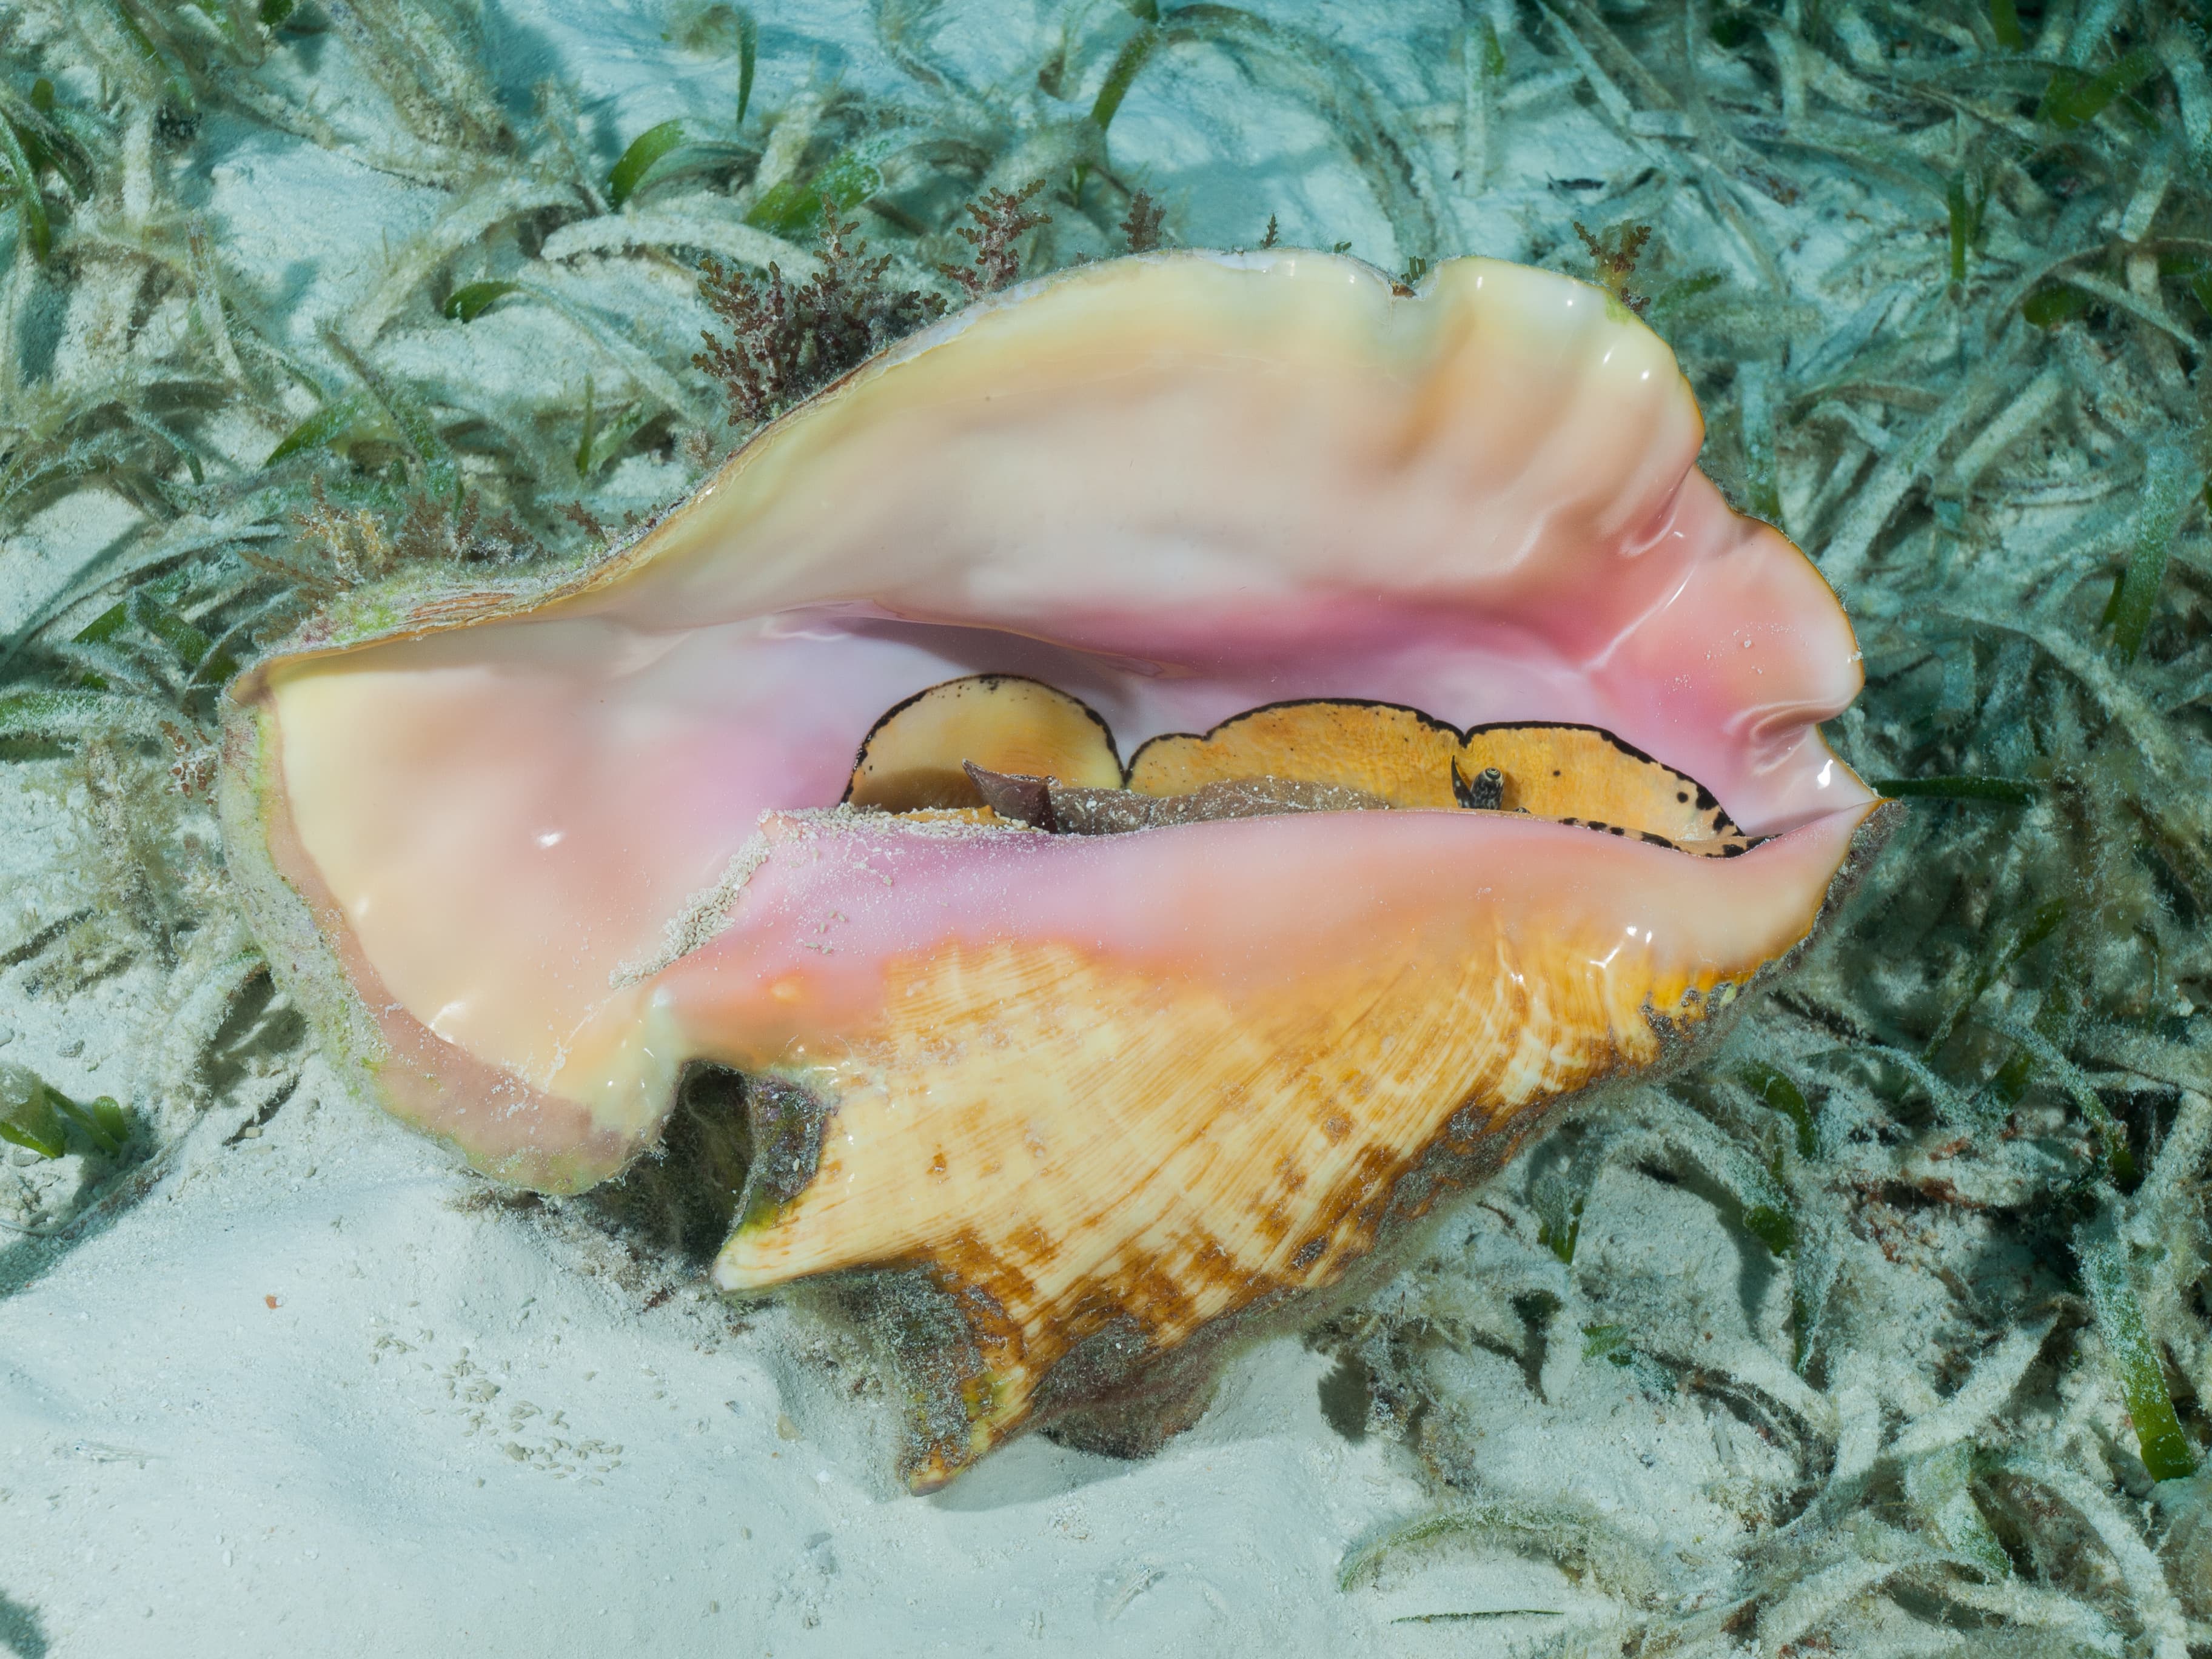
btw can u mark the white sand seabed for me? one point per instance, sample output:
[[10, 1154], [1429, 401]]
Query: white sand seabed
[[444, 1437]]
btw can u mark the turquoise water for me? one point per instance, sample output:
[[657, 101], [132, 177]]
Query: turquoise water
[[1881, 1325]]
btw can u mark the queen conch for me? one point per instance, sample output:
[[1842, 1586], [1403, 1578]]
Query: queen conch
[[1306, 732]]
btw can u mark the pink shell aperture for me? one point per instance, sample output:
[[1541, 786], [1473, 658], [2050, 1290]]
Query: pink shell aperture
[[527, 857]]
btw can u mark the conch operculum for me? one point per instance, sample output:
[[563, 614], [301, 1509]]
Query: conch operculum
[[1105, 1096]]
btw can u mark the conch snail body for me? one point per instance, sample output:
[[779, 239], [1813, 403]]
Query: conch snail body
[[1471, 761]]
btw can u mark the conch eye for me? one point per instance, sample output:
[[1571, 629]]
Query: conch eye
[[912, 760], [1485, 792]]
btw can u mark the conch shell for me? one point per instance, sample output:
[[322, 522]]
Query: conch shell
[[1424, 586]]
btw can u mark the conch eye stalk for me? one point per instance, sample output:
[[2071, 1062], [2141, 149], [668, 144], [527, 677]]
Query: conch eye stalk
[[1473, 762]]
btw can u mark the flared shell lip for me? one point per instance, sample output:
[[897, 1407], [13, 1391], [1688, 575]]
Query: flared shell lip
[[312, 948], [356, 622]]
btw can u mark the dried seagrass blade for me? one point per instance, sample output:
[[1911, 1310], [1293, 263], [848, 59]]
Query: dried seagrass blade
[[914, 755]]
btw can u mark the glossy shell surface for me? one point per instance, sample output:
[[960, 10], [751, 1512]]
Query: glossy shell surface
[[527, 857]]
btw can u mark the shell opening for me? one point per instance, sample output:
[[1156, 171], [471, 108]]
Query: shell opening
[[1004, 748]]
